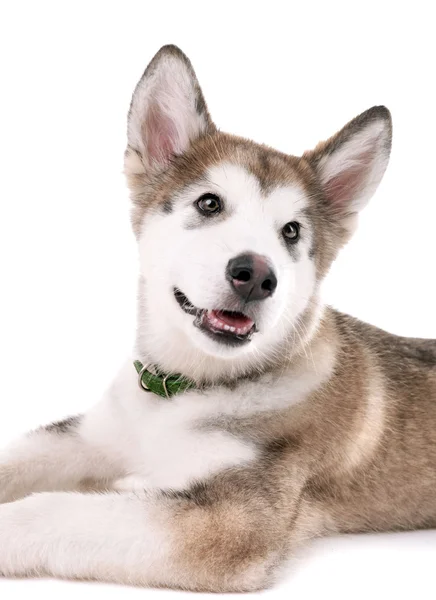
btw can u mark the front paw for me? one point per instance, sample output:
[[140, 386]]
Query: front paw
[[9, 531], [17, 539]]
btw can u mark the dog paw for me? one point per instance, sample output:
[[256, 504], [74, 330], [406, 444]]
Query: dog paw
[[18, 557]]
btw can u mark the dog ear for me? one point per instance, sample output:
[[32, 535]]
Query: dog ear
[[167, 111], [351, 164]]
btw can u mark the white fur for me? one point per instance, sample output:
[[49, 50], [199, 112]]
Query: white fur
[[112, 537], [253, 224], [160, 433]]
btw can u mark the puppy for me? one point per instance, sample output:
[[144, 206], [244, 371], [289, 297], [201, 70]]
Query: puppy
[[250, 417]]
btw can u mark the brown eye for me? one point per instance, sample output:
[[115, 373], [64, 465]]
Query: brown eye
[[291, 232], [209, 204]]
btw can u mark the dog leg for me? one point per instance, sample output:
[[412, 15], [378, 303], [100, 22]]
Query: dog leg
[[52, 458], [209, 538]]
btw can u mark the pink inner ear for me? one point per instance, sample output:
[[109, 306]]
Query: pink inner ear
[[160, 135], [341, 189]]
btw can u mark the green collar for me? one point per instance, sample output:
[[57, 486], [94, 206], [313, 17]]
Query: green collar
[[159, 383]]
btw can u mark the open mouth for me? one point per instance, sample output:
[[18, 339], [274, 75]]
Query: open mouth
[[229, 327]]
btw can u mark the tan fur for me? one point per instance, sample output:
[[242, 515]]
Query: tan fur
[[359, 455]]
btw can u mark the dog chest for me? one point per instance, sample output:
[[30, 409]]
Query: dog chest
[[170, 443]]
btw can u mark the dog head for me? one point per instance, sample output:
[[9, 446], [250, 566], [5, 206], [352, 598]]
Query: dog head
[[235, 237]]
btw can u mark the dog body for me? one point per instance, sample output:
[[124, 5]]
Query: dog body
[[299, 420]]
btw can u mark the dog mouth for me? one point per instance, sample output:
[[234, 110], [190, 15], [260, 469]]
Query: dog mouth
[[225, 326]]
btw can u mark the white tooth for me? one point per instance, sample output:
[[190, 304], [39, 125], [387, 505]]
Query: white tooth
[[232, 329], [226, 327]]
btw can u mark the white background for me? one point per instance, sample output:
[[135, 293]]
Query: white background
[[283, 73]]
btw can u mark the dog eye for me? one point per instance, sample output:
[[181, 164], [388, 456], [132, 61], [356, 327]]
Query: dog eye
[[209, 204], [291, 232]]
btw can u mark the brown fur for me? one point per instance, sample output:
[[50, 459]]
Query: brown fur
[[315, 476]]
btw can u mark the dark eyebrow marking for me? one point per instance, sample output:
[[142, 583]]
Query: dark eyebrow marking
[[167, 206]]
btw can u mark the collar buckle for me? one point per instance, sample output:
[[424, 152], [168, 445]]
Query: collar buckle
[[141, 384], [144, 387]]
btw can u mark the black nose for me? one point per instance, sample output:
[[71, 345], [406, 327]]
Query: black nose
[[251, 276]]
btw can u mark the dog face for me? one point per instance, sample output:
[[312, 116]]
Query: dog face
[[234, 237]]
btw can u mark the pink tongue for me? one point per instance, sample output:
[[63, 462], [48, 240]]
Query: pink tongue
[[236, 322]]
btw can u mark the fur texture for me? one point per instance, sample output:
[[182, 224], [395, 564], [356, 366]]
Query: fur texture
[[312, 423]]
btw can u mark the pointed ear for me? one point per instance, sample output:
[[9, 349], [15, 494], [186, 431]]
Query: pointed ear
[[167, 111], [351, 164]]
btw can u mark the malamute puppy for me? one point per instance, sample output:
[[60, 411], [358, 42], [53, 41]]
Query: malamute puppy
[[250, 417]]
